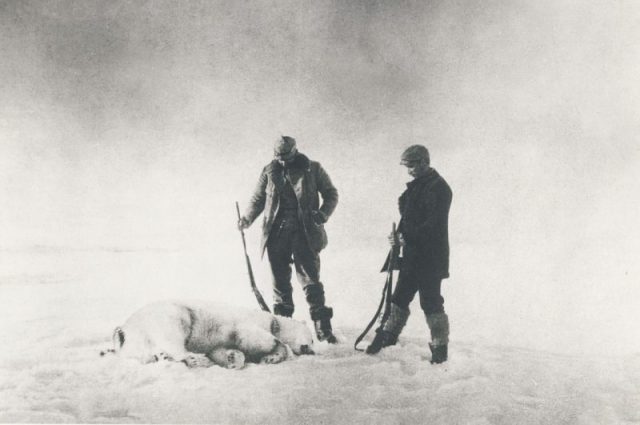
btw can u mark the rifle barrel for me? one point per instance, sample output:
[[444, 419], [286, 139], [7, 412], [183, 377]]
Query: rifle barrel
[[252, 280]]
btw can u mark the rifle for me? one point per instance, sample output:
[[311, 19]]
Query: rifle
[[386, 294], [252, 281]]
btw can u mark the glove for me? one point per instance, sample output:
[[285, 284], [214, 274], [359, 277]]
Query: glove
[[396, 239], [243, 223], [318, 217]]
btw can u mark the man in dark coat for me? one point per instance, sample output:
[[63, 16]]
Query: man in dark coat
[[293, 228], [424, 238]]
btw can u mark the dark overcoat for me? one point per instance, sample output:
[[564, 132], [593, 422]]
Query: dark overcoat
[[309, 181], [424, 224]]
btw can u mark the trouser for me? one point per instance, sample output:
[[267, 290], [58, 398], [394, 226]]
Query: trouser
[[414, 279], [288, 244]]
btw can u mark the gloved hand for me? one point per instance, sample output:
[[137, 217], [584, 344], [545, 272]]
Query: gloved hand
[[243, 223], [318, 217], [396, 239]]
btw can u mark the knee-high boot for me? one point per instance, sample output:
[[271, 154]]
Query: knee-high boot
[[388, 333], [283, 310], [322, 323], [439, 328]]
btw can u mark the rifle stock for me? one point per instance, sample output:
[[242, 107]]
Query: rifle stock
[[387, 290]]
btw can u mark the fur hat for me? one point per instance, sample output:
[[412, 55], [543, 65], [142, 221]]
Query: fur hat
[[285, 147]]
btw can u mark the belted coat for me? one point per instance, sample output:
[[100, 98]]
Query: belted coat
[[309, 181]]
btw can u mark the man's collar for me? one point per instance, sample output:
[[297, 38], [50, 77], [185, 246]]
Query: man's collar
[[430, 173], [299, 162]]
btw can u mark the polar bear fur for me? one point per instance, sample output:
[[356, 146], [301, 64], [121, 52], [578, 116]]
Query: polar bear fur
[[202, 334]]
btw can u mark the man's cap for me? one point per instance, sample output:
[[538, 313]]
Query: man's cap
[[284, 147], [414, 153]]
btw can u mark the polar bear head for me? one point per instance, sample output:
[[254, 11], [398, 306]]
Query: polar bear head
[[295, 334]]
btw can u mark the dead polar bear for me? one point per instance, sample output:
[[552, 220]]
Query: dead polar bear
[[202, 334]]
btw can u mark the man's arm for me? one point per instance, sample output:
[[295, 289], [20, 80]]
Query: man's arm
[[258, 199], [329, 194]]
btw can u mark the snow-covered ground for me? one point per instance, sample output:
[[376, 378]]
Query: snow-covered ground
[[129, 128], [58, 315]]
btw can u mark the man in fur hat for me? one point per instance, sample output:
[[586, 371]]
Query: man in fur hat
[[424, 238], [288, 192]]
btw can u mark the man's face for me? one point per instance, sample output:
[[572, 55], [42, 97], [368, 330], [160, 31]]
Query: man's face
[[285, 158], [416, 168]]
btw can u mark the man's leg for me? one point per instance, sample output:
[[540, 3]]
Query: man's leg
[[279, 251], [387, 334], [432, 304], [406, 289], [307, 263]]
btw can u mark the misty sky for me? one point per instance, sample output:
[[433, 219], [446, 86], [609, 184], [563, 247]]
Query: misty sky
[[138, 124]]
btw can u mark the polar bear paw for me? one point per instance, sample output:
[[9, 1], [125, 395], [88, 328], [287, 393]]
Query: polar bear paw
[[228, 358], [163, 357], [194, 360], [278, 355]]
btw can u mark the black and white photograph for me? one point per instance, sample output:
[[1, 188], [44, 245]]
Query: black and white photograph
[[321, 212]]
